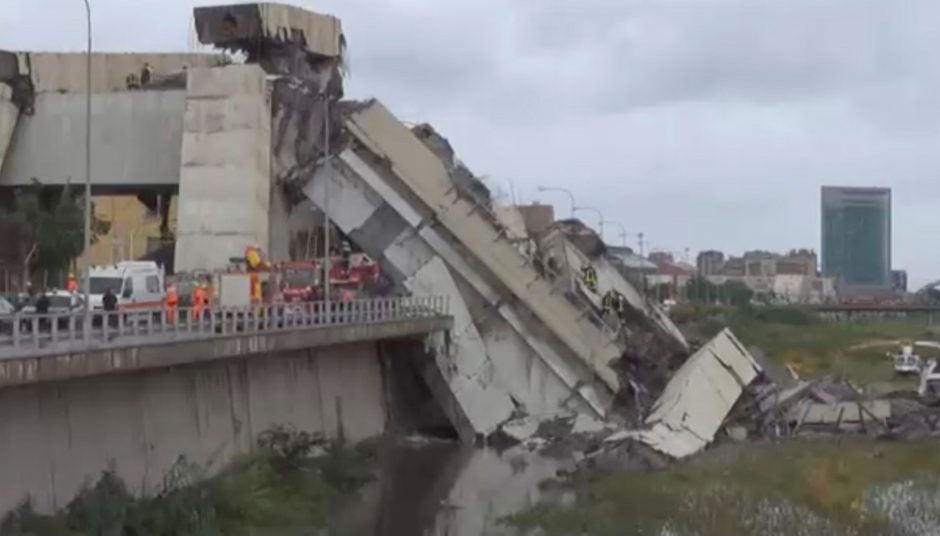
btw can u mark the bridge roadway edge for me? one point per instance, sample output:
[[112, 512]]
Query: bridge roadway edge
[[117, 359]]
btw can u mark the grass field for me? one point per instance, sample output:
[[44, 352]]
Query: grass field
[[813, 346], [789, 488]]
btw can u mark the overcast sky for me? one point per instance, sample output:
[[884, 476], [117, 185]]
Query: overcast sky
[[702, 123]]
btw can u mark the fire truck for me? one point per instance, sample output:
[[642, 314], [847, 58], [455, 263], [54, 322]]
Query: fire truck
[[302, 281]]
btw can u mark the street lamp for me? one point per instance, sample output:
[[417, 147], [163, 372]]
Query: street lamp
[[88, 215], [565, 190], [600, 218], [623, 231]]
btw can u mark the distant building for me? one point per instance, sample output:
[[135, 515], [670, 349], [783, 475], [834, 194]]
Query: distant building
[[537, 217], [710, 262], [856, 237], [798, 262], [899, 280], [662, 258]]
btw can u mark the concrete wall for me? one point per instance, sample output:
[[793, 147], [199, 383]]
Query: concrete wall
[[8, 116], [54, 436], [135, 137], [64, 72], [225, 178]]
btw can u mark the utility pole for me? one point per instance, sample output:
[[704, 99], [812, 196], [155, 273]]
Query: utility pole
[[328, 258], [88, 215]]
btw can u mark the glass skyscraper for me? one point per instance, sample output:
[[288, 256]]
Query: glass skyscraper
[[856, 235]]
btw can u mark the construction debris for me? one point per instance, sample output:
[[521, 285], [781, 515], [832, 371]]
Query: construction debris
[[692, 408]]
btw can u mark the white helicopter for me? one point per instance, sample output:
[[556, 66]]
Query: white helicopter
[[906, 362]]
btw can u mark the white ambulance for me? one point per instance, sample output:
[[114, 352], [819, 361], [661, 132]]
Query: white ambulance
[[137, 284]]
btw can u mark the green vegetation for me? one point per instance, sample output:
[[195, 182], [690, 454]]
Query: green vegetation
[[823, 488], [282, 488], [854, 350], [51, 224]]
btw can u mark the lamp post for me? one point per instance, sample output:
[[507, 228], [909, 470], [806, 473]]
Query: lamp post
[[88, 216], [565, 190], [600, 218], [328, 165], [623, 231]]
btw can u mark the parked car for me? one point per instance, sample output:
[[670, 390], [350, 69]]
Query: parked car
[[60, 303], [6, 311]]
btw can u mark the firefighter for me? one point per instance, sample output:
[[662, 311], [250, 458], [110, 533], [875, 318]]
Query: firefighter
[[146, 74], [72, 284], [609, 302], [255, 289], [172, 303], [199, 301], [589, 276], [253, 259], [345, 255], [622, 307]]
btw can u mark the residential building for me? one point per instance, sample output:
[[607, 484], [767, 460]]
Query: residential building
[[134, 232], [856, 237], [710, 262]]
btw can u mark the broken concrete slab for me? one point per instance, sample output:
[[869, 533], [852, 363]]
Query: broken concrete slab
[[849, 415], [229, 25], [699, 397]]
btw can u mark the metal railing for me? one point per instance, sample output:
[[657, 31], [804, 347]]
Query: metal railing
[[28, 333]]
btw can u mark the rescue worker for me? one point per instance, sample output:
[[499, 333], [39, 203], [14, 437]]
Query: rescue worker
[[72, 284], [146, 74], [255, 289], [253, 259], [609, 302], [109, 302], [622, 307], [346, 253], [589, 276], [199, 301], [172, 303]]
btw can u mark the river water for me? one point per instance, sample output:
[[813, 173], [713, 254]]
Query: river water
[[432, 488]]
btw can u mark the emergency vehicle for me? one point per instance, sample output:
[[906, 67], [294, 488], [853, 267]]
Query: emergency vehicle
[[138, 285]]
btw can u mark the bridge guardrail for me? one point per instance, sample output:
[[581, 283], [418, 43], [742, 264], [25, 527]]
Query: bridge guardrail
[[25, 333]]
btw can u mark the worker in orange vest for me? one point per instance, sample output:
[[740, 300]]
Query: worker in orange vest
[[72, 284], [172, 303], [199, 301]]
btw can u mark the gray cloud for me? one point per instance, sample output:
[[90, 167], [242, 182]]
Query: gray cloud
[[703, 123]]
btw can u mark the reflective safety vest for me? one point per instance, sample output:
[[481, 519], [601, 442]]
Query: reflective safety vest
[[589, 275], [609, 301], [72, 285], [172, 299]]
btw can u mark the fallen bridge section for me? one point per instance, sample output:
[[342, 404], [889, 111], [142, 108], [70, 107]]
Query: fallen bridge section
[[496, 364], [649, 316], [420, 174]]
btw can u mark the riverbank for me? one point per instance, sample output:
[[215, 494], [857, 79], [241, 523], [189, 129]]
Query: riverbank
[[821, 487], [292, 483]]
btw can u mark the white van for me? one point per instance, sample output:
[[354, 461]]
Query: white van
[[137, 284]]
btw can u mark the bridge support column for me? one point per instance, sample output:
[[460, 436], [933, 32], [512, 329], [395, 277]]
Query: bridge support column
[[225, 175]]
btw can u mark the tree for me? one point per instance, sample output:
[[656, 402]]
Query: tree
[[51, 225]]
